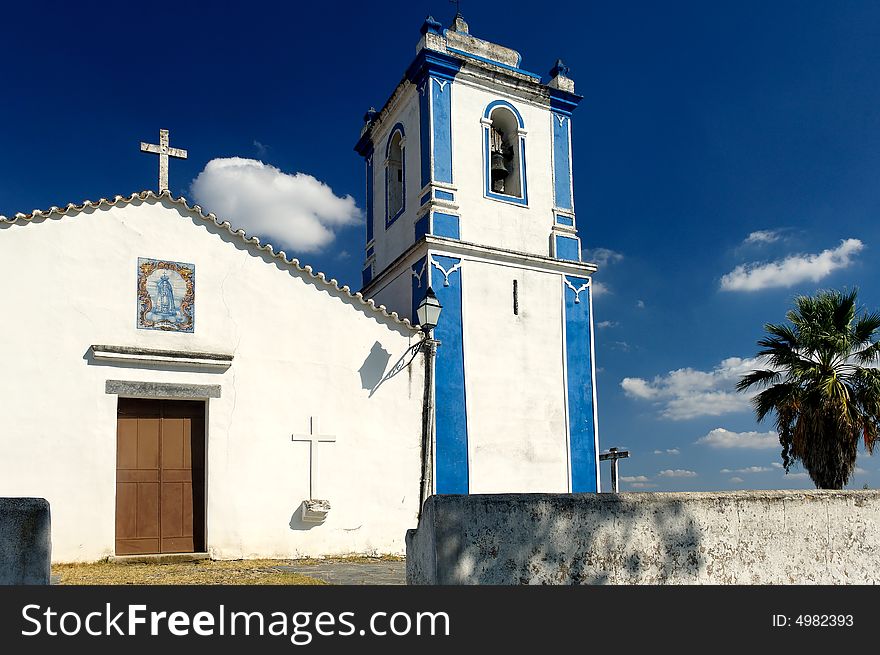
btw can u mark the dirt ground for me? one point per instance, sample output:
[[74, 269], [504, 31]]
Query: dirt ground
[[209, 572]]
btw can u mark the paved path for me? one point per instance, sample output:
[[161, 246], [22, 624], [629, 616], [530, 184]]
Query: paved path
[[352, 573]]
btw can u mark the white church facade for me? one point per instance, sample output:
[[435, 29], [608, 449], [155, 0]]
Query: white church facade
[[175, 385]]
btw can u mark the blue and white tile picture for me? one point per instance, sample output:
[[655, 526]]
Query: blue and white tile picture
[[166, 295]]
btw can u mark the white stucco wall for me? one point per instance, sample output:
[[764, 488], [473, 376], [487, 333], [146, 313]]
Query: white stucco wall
[[517, 438], [299, 349], [494, 222], [391, 243]]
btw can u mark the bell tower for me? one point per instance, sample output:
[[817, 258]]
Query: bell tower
[[470, 193]]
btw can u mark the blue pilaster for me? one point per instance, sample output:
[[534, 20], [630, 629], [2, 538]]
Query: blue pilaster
[[579, 374], [451, 422]]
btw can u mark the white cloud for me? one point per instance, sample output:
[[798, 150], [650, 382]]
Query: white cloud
[[642, 485], [635, 478], [763, 236], [599, 289], [289, 210], [736, 479], [668, 451], [748, 469], [687, 393], [677, 473], [776, 465], [640, 304], [792, 270], [602, 256], [721, 438], [798, 476], [606, 324]]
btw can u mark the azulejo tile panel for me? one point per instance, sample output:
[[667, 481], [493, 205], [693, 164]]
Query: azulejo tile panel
[[166, 295]]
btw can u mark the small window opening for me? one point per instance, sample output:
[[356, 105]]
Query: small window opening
[[515, 298], [504, 154], [394, 172]]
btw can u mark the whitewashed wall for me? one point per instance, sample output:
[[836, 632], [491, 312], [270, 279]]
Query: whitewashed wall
[[399, 236], [299, 345], [517, 437], [501, 224]]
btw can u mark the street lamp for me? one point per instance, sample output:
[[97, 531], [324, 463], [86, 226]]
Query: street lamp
[[428, 315], [428, 311]]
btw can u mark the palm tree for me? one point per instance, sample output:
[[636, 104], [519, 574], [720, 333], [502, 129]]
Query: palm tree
[[820, 386]]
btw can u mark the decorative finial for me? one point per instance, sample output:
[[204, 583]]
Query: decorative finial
[[458, 23], [370, 116], [432, 26], [164, 151], [559, 68]]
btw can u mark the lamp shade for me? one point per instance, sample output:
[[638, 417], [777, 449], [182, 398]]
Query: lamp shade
[[428, 311]]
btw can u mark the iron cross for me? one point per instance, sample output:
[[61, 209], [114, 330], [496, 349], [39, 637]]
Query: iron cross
[[313, 439], [164, 151], [614, 455]]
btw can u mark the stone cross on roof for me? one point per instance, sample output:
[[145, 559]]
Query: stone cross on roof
[[164, 151]]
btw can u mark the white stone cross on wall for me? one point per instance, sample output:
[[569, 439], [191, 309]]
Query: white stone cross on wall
[[164, 151], [313, 440]]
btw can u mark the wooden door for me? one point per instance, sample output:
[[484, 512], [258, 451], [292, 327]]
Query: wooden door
[[160, 481]]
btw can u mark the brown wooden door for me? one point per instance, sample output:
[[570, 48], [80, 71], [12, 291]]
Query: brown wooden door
[[160, 476]]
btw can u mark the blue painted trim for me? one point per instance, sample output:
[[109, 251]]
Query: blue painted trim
[[562, 183], [492, 106], [563, 101], [494, 63], [390, 219], [567, 248], [561, 219], [487, 173], [422, 227], [441, 117], [371, 251], [444, 195], [579, 368], [370, 193], [366, 276], [420, 281], [451, 427], [425, 134], [425, 198], [445, 225]]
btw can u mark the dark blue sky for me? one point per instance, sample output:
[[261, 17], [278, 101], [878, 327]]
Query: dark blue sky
[[701, 123]]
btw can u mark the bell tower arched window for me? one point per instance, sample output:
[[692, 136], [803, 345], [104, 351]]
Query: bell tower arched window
[[504, 152], [395, 190]]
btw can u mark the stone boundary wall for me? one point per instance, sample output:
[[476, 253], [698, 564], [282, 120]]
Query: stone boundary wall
[[741, 537], [25, 541]]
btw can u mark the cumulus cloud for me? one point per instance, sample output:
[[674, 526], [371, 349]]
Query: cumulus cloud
[[721, 438], [792, 270], [748, 469], [599, 289], [668, 451], [602, 256], [606, 324], [293, 211], [677, 473], [763, 236], [687, 393], [736, 479], [634, 478]]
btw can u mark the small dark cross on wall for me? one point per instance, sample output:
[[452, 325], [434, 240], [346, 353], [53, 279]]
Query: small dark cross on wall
[[615, 456]]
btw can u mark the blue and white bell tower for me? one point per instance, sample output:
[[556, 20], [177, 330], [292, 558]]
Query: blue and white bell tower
[[469, 192]]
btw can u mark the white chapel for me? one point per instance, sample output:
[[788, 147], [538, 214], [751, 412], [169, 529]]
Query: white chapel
[[179, 386]]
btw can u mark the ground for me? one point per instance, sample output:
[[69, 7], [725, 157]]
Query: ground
[[351, 570]]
